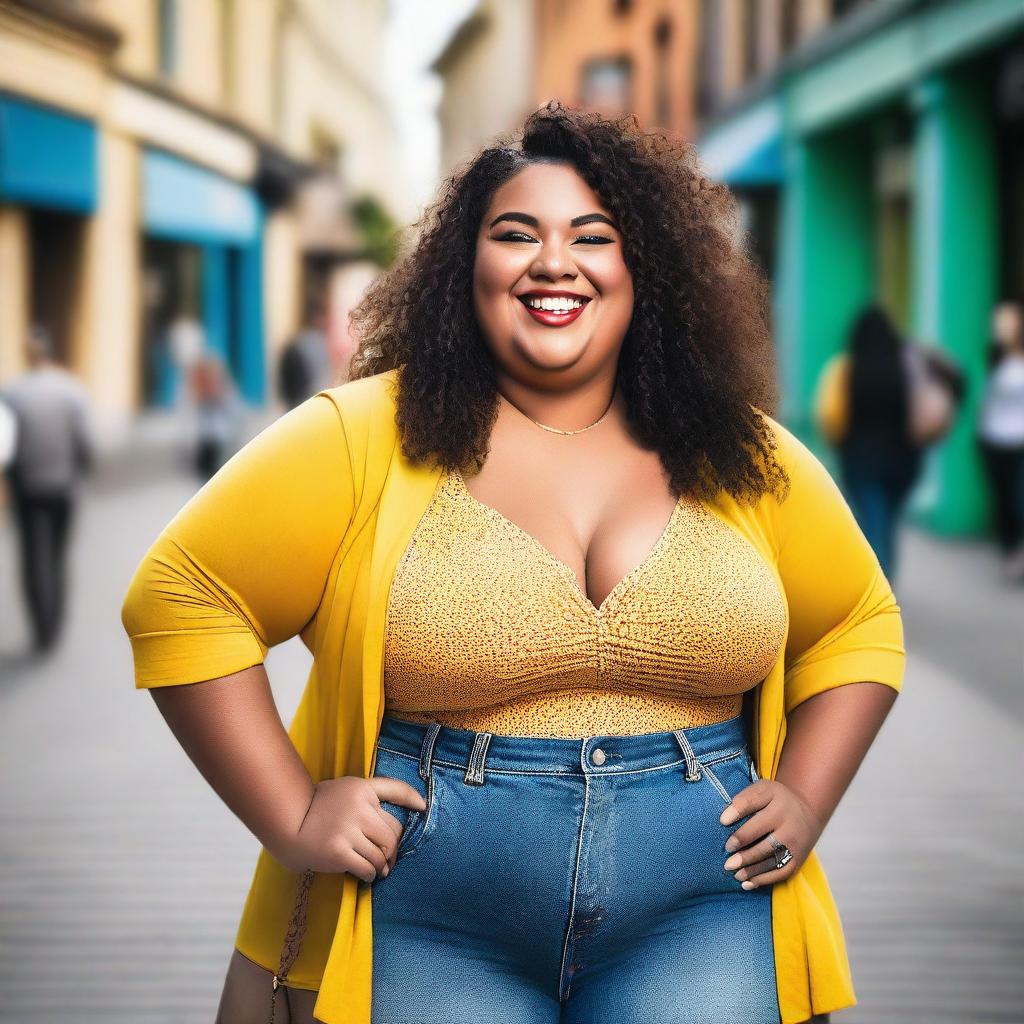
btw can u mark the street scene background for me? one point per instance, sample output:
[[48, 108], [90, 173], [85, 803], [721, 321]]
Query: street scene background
[[194, 195]]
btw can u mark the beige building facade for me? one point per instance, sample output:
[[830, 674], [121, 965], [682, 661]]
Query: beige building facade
[[487, 71], [192, 158]]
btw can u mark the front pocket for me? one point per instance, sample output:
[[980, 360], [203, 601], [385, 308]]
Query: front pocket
[[731, 774], [416, 824]]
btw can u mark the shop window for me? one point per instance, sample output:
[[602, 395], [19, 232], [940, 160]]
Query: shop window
[[172, 317], [708, 57], [751, 30], [789, 25], [607, 84], [841, 7], [56, 241], [1008, 103], [662, 96], [167, 36]]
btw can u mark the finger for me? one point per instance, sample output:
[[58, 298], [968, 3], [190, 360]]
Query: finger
[[746, 801], [753, 870], [392, 820], [771, 876], [396, 791], [753, 853], [755, 828], [373, 853], [384, 829], [361, 868]]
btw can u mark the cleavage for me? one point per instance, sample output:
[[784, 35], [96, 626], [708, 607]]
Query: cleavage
[[645, 549]]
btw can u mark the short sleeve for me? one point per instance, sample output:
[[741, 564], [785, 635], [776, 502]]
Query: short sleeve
[[845, 625], [244, 564]]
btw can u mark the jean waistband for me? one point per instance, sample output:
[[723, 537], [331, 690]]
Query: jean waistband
[[592, 755]]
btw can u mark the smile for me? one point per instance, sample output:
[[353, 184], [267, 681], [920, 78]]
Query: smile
[[554, 317]]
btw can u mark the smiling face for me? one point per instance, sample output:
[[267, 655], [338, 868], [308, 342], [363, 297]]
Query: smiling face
[[545, 231]]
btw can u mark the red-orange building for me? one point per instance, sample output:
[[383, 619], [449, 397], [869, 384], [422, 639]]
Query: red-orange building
[[619, 55]]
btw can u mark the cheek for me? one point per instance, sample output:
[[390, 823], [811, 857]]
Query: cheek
[[617, 288], [492, 284], [490, 304], [493, 275]]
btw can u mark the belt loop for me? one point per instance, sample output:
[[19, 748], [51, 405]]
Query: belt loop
[[478, 755], [692, 764], [427, 749]]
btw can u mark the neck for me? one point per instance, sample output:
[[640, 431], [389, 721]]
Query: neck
[[570, 410]]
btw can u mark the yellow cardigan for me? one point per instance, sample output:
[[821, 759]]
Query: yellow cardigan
[[300, 533]]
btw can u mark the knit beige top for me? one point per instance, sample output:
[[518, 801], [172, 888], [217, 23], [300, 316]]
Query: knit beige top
[[487, 630]]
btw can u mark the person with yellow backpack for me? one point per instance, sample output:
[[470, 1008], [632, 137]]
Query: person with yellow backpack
[[882, 402]]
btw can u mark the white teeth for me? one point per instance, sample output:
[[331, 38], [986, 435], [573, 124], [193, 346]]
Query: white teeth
[[556, 305]]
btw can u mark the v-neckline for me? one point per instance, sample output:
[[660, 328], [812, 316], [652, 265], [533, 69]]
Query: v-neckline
[[595, 610]]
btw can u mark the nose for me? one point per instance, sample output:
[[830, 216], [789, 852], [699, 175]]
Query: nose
[[553, 261]]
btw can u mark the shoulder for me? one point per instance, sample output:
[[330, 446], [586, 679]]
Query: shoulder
[[808, 475], [16, 386], [787, 447], [75, 388], [367, 407], [367, 396]]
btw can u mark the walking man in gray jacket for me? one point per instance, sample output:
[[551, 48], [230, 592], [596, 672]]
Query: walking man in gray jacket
[[53, 448]]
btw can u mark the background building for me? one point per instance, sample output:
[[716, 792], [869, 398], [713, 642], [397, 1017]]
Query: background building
[[878, 148], [184, 162], [508, 58], [619, 56], [487, 69]]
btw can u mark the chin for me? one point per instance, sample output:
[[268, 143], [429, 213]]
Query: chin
[[548, 358]]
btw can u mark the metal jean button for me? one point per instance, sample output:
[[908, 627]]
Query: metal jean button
[[598, 756]]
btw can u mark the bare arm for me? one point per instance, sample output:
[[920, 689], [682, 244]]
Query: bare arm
[[242, 567], [827, 737], [844, 664], [231, 729]]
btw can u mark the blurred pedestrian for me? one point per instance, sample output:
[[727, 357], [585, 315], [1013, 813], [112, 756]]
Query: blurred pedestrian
[[53, 448], [305, 365], [1000, 434], [8, 433], [882, 401], [217, 412]]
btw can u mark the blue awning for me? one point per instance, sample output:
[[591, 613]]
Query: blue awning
[[747, 150], [47, 158], [186, 202]]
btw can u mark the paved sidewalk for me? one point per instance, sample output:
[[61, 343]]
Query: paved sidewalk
[[923, 859], [123, 875]]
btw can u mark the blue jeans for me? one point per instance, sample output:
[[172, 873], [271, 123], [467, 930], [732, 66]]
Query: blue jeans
[[877, 490], [568, 880]]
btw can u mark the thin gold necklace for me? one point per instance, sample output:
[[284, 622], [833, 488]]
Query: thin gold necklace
[[556, 430]]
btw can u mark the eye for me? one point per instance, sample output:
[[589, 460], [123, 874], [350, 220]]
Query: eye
[[521, 236]]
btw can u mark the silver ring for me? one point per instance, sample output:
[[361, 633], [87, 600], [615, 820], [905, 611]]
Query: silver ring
[[783, 854]]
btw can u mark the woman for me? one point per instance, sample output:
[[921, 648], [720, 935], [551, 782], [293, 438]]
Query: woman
[[867, 389], [1000, 435], [567, 587]]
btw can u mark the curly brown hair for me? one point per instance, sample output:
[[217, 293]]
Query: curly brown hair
[[697, 365]]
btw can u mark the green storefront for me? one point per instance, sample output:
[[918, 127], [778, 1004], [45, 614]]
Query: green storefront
[[889, 158]]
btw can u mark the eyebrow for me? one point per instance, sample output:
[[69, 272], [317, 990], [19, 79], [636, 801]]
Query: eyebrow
[[525, 218]]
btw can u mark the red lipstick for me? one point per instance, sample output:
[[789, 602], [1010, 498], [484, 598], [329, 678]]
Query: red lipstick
[[552, 318]]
